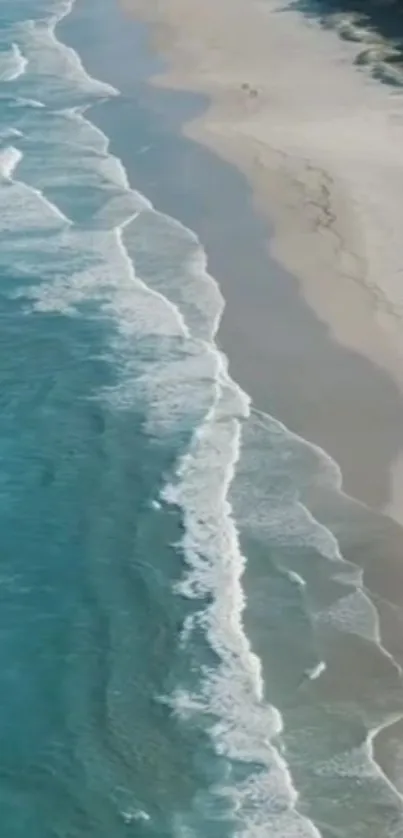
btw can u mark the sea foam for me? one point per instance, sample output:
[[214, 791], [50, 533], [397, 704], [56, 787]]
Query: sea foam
[[9, 160], [233, 692], [177, 306], [12, 64]]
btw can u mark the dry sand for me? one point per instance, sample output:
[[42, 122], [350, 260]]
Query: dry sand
[[322, 144]]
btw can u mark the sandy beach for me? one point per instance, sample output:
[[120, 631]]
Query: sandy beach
[[252, 136], [201, 384], [321, 143]]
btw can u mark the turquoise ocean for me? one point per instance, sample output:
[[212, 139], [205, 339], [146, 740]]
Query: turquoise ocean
[[142, 693]]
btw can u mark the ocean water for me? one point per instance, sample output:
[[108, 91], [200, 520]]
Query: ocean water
[[137, 483]]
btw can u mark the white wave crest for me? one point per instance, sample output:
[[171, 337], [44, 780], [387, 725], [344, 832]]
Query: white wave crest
[[12, 64], [56, 71], [233, 692], [179, 305], [9, 160]]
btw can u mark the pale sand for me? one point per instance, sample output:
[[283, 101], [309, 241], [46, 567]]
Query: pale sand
[[322, 145]]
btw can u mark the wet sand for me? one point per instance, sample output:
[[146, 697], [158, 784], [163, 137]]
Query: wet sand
[[308, 347], [313, 333], [322, 147]]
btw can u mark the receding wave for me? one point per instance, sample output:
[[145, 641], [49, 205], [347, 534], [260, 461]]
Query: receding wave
[[12, 64], [239, 472], [9, 160]]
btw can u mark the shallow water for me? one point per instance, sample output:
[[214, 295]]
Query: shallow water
[[136, 482]]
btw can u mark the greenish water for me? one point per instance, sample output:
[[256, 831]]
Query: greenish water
[[135, 484]]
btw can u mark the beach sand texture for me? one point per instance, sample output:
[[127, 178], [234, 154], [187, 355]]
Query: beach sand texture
[[290, 110], [320, 141]]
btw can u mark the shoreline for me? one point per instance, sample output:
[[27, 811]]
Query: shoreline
[[186, 181], [209, 185], [319, 227]]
